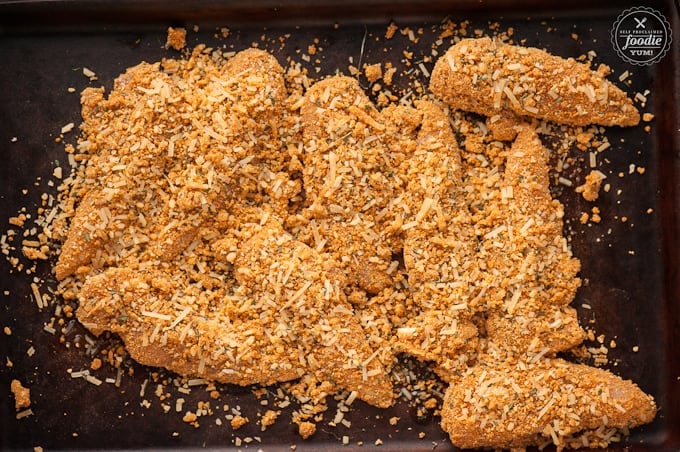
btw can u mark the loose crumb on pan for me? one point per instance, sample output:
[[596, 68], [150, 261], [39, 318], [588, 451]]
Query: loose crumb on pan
[[22, 395], [176, 38], [590, 190]]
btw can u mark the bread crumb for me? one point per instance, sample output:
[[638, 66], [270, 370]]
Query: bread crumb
[[646, 117], [591, 188], [268, 418], [306, 429], [595, 218], [238, 421], [189, 417], [22, 395], [373, 72], [19, 220], [391, 30], [388, 76], [177, 38]]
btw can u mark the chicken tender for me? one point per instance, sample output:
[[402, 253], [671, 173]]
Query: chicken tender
[[487, 77], [533, 314], [231, 226], [194, 172], [438, 248], [516, 404], [347, 178], [280, 322], [230, 347]]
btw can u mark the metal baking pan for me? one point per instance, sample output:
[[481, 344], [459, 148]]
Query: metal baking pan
[[633, 282]]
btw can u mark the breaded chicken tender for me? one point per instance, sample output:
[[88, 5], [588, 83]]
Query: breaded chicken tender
[[487, 77], [515, 404], [304, 299], [438, 248], [534, 314], [168, 189], [280, 322], [228, 347], [346, 179]]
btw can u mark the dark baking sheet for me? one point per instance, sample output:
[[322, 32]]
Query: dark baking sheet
[[632, 267]]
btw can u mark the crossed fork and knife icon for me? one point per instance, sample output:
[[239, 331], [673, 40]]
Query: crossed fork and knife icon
[[640, 23]]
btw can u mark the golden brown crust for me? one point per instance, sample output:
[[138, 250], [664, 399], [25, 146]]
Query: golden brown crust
[[178, 337], [306, 298], [346, 179], [487, 77], [438, 249], [533, 313], [294, 312], [85, 236], [516, 404]]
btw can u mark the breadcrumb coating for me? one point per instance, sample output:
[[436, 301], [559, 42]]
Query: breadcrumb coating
[[488, 77], [516, 404]]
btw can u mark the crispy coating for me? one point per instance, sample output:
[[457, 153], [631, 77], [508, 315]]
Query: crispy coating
[[487, 77], [227, 347], [437, 248], [347, 178], [517, 404], [162, 225], [280, 322], [503, 126], [195, 173], [533, 314], [84, 237], [307, 297]]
